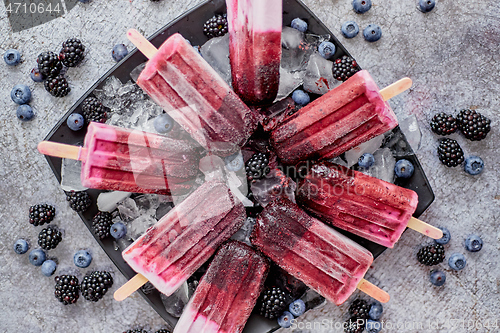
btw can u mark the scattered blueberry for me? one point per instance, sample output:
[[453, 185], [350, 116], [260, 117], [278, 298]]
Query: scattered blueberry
[[20, 94], [82, 259], [12, 57], [297, 307], [474, 165], [118, 230], [437, 278], [373, 326], [21, 246], [404, 169], [285, 320], [361, 6], [25, 112], [349, 29], [326, 49], [75, 121], [197, 48], [426, 6], [36, 75], [446, 236], [163, 123], [234, 162], [37, 257], [84, 1], [457, 261], [301, 97], [376, 310], [299, 24], [473, 243], [366, 160], [119, 52], [372, 33], [49, 267]]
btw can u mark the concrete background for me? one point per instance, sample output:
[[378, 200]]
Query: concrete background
[[452, 55]]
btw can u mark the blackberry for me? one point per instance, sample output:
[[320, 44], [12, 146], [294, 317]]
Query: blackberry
[[431, 255], [93, 110], [71, 53], [95, 285], [444, 124], [450, 153], [67, 289], [163, 330], [78, 201], [272, 302], [345, 67], [49, 237], [352, 325], [49, 64], [216, 26], [359, 309], [257, 166], [41, 214], [473, 125], [137, 330], [57, 86], [102, 223]]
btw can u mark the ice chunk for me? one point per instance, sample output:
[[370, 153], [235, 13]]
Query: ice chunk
[[319, 77], [297, 48], [212, 167], [395, 141], [108, 201], [134, 74], [70, 175], [411, 130], [243, 235], [383, 168], [128, 210], [338, 160], [369, 147], [138, 226], [275, 184], [175, 303], [312, 299], [289, 81], [216, 53]]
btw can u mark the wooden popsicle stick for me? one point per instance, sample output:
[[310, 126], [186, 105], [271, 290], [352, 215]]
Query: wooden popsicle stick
[[396, 88], [148, 49], [128, 288], [425, 228], [372, 290], [62, 150]]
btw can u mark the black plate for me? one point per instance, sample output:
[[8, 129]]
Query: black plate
[[190, 25]]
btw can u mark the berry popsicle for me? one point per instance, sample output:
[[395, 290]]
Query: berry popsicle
[[227, 292], [366, 206], [326, 261], [341, 119], [179, 80], [119, 159], [181, 241], [255, 48]]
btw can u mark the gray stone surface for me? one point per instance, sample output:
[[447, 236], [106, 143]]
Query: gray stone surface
[[452, 55]]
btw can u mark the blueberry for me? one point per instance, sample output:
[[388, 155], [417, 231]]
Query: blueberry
[[119, 52], [12, 57], [426, 6], [372, 33], [373, 326], [376, 310], [49, 267], [349, 29], [84, 1], [20, 94], [299, 24], [163, 123], [285, 320], [25, 112], [297, 307], [197, 48], [366, 160], [37, 257], [301, 97], [82, 259], [404, 169], [326, 49], [361, 6], [21, 246], [473, 243], [118, 230], [75, 121], [446, 236], [437, 278], [457, 261], [37, 76], [474, 165], [234, 162]]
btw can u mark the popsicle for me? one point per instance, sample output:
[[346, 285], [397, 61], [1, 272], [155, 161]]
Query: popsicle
[[343, 118], [255, 48], [227, 292], [119, 159], [326, 261], [365, 206], [179, 80], [181, 241]]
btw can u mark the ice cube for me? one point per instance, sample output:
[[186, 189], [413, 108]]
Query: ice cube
[[369, 147], [70, 175], [137, 227], [319, 77], [212, 167], [128, 209], [111, 86], [108, 201], [289, 81], [395, 141], [134, 74], [274, 184], [383, 168], [243, 235], [297, 47], [175, 303], [216, 53], [411, 130]]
